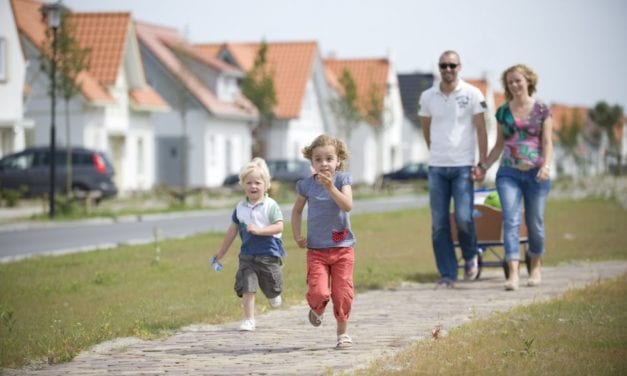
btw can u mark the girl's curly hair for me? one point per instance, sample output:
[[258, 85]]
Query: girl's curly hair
[[324, 140]]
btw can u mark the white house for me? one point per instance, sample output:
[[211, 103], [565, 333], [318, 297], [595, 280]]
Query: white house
[[13, 125], [303, 96], [376, 144], [114, 109], [207, 136], [414, 146]]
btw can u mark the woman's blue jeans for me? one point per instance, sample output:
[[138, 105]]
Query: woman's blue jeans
[[515, 187], [456, 183]]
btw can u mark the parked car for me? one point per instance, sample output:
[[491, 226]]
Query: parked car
[[411, 171], [29, 170], [288, 170], [282, 170]]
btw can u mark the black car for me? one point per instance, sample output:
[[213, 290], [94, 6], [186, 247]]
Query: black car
[[29, 170], [411, 171], [283, 170]]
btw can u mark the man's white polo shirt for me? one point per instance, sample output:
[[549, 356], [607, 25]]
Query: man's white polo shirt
[[453, 135]]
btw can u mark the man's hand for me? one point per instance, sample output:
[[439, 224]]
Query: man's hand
[[478, 173]]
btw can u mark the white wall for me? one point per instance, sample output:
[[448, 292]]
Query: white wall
[[363, 155], [12, 75]]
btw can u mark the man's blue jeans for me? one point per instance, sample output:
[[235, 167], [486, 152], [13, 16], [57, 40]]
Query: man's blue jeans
[[456, 183], [514, 187]]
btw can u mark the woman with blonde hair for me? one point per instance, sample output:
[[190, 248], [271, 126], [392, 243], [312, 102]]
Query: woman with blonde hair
[[524, 143]]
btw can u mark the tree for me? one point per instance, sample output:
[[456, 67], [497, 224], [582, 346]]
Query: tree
[[258, 87], [374, 108], [377, 118], [609, 118], [71, 60], [346, 106]]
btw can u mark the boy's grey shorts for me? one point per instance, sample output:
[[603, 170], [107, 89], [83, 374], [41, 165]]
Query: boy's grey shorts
[[262, 271]]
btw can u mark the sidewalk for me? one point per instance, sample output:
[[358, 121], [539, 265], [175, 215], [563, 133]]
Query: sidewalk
[[382, 323]]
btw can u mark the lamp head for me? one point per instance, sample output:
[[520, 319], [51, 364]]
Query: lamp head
[[52, 13]]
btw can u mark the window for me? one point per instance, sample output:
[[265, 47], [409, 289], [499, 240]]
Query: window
[[4, 75], [19, 162]]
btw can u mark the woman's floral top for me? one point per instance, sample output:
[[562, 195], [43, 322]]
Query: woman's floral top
[[523, 137]]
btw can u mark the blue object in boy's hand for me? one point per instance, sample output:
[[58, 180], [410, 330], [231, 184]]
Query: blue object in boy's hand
[[215, 264]]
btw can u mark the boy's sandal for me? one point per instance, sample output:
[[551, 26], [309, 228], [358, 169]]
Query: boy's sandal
[[314, 318], [344, 342]]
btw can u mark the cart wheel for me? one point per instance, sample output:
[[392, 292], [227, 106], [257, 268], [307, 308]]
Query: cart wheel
[[506, 269], [480, 266]]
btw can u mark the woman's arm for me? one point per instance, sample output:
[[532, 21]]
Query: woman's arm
[[482, 136], [497, 149], [547, 149]]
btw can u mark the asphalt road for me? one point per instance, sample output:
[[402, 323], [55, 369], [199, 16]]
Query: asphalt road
[[27, 239]]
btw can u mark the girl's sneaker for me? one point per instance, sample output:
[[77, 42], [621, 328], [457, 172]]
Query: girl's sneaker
[[247, 325], [343, 342]]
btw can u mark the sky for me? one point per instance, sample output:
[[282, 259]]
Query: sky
[[578, 48]]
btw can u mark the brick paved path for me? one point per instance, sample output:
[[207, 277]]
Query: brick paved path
[[286, 344]]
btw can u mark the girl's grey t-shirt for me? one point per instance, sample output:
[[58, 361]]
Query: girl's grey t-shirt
[[328, 226]]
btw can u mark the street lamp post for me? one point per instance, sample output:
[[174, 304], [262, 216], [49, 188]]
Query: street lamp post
[[52, 12]]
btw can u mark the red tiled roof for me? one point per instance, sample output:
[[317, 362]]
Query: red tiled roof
[[563, 114], [291, 63], [29, 20], [499, 99], [199, 53], [147, 99], [163, 42], [30, 23], [209, 50], [105, 34], [370, 75]]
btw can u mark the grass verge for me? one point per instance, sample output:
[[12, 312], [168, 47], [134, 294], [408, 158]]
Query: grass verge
[[51, 308], [582, 333]]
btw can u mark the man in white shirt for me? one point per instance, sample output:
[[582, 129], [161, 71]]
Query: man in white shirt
[[453, 124]]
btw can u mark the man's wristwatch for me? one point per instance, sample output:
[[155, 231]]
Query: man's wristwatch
[[482, 166]]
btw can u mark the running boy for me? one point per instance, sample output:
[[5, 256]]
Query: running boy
[[329, 242], [259, 221]]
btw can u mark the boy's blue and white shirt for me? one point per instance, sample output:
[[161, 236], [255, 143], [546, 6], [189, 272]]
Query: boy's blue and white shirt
[[262, 214]]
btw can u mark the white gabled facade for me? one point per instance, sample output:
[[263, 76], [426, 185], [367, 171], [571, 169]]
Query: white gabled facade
[[207, 135], [13, 125], [114, 123], [286, 138], [375, 148]]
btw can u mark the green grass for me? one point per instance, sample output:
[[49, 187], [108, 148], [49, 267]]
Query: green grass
[[51, 308], [582, 333]]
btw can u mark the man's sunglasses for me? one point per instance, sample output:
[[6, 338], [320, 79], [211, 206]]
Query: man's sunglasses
[[448, 65]]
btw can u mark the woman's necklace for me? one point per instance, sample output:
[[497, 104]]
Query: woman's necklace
[[522, 109]]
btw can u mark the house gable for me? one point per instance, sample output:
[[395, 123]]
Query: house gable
[[371, 79], [196, 73], [291, 63]]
